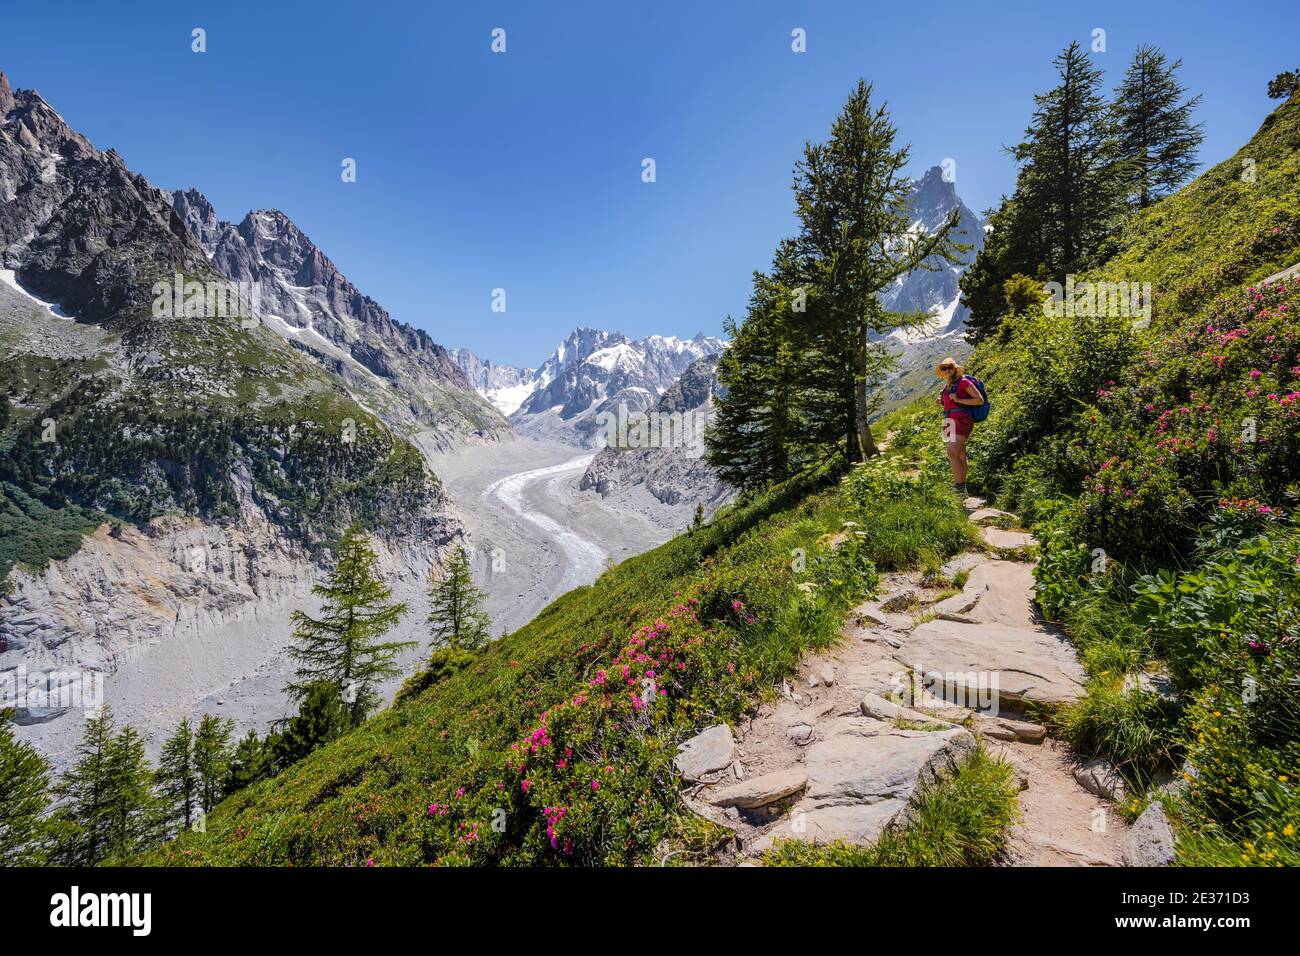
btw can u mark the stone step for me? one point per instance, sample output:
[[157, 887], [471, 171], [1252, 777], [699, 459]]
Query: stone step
[[1010, 540], [861, 778], [761, 790], [977, 665]]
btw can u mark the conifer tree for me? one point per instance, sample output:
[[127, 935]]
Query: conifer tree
[[1071, 180], [1069, 196], [1013, 243], [24, 797], [176, 777], [83, 823], [212, 759], [253, 760], [1284, 85], [1153, 119], [322, 716], [456, 616], [798, 379], [855, 239], [750, 442], [132, 811], [342, 647]]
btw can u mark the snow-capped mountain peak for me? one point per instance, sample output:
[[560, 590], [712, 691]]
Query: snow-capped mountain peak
[[591, 371]]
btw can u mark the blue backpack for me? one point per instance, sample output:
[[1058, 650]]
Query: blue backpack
[[977, 412]]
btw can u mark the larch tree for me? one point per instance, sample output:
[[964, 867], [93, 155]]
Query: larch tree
[[24, 797], [855, 239], [176, 778], [212, 756], [456, 616], [1071, 181], [342, 647], [1157, 140]]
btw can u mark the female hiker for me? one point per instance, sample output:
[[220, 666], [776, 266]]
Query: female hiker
[[959, 396]]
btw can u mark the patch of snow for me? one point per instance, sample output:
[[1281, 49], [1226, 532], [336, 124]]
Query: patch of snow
[[940, 317], [507, 399], [616, 356], [8, 277]]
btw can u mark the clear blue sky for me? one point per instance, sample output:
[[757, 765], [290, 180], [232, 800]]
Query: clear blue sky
[[523, 170]]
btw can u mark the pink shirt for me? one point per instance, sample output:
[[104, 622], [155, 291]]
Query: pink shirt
[[966, 388]]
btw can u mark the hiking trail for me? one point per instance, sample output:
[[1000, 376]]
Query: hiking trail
[[917, 677]]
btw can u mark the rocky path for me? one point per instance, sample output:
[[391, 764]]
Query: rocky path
[[918, 677]]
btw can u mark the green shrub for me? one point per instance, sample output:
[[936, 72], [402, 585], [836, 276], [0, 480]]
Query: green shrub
[[444, 662], [912, 518], [1133, 729], [1225, 632]]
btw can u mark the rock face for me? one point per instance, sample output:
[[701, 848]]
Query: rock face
[[1150, 840], [141, 587], [673, 470], [77, 227], [405, 376], [709, 751], [595, 372], [932, 200], [505, 386], [931, 291]]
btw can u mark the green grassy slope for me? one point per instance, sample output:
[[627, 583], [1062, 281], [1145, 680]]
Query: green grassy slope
[[1235, 224], [548, 732]]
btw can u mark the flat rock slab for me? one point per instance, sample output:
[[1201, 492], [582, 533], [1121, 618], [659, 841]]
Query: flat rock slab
[[963, 562], [760, 791], [980, 515], [859, 823], [708, 751], [866, 761], [999, 592], [982, 664], [882, 677], [974, 503], [959, 606], [999, 538], [1003, 728]]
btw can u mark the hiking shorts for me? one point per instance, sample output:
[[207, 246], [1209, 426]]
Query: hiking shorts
[[963, 423]]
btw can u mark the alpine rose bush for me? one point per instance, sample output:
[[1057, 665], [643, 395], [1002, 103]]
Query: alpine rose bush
[[1210, 410]]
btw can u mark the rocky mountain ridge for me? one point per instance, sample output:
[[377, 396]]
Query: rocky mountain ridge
[[396, 369], [667, 460]]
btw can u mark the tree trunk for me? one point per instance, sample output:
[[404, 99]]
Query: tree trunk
[[866, 443]]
